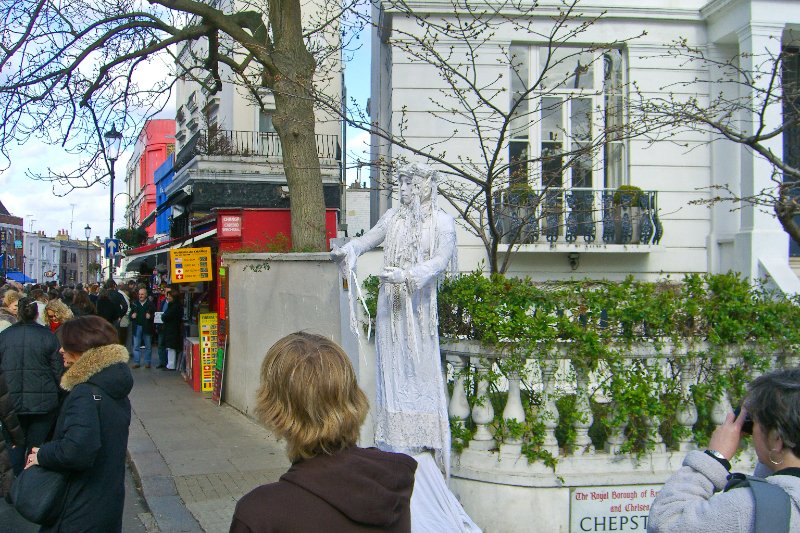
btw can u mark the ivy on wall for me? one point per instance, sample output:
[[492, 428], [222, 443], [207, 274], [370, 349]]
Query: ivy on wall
[[699, 324]]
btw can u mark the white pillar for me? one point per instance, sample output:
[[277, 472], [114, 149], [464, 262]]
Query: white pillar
[[760, 236]]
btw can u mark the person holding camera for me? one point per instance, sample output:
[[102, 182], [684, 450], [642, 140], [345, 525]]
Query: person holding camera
[[704, 496]]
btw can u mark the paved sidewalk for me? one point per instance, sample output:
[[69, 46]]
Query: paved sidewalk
[[195, 459]]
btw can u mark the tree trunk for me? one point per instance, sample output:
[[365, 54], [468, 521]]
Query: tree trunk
[[294, 121], [303, 176]]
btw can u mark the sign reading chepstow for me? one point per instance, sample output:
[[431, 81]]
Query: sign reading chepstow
[[190, 265], [617, 508]]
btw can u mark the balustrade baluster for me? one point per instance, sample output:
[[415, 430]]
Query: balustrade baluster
[[549, 411], [616, 438], [687, 413], [653, 423], [722, 403], [513, 411], [583, 408], [482, 411], [458, 407]]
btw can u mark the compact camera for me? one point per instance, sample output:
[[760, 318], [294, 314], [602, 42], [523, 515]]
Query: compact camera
[[747, 427]]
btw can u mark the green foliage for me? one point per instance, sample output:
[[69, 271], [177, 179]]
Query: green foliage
[[698, 324], [631, 191], [131, 237]]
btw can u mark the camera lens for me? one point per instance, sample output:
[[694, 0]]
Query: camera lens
[[747, 427]]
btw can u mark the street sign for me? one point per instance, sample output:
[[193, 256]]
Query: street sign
[[190, 265], [112, 247]]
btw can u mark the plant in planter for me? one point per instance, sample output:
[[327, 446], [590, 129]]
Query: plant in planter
[[627, 214], [515, 211], [131, 237]]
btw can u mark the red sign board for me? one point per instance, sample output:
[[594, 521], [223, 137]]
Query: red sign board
[[230, 226]]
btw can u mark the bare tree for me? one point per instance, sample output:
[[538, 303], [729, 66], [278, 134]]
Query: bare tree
[[750, 92], [487, 99], [69, 70]]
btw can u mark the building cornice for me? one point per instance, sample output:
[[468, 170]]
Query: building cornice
[[716, 6], [606, 10]]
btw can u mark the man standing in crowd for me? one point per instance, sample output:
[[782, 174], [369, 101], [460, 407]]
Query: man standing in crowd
[[142, 311], [121, 301]]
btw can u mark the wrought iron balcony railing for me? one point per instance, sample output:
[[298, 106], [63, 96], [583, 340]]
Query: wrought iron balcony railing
[[610, 216], [247, 143]]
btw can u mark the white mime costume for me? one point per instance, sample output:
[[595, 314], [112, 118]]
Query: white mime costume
[[411, 407]]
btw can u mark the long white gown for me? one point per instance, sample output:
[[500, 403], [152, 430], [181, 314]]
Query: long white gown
[[411, 407]]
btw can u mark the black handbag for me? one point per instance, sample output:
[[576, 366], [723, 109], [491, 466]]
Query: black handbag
[[39, 494]]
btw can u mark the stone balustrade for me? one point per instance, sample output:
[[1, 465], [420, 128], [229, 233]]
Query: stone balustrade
[[503, 487], [551, 377]]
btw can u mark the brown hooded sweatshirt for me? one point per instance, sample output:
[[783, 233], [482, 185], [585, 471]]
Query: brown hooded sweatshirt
[[355, 490]]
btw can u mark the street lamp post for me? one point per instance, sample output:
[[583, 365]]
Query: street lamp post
[[24, 260], [3, 235], [87, 231], [113, 144]]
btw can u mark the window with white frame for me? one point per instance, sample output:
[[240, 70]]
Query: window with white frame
[[562, 101], [265, 122]]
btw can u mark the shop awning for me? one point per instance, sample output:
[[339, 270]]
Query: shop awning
[[19, 277], [147, 254], [195, 239]]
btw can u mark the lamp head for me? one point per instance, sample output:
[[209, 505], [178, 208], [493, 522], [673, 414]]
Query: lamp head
[[113, 143]]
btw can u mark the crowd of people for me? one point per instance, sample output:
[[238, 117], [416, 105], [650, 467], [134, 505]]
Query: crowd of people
[[66, 355]]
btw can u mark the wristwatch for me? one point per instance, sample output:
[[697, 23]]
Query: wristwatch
[[719, 457]]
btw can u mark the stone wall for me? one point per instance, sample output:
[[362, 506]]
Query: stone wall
[[297, 292]]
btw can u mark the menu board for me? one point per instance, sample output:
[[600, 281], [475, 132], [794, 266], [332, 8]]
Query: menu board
[[190, 265], [208, 350]]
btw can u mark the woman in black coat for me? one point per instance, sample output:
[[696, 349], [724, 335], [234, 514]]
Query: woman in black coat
[[172, 328], [32, 368], [91, 434]]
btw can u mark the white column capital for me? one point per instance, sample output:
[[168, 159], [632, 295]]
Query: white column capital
[[760, 37]]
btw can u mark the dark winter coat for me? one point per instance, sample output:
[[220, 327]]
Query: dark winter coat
[[142, 310], [32, 367], [354, 490], [90, 441], [107, 309], [118, 300], [11, 427], [171, 329]]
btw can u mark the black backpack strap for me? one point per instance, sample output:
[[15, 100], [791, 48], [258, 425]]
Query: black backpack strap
[[773, 505]]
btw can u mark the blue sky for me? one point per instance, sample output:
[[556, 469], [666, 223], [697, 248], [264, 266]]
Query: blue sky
[[42, 207]]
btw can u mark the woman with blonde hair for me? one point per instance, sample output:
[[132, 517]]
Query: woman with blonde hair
[[310, 397], [8, 313], [57, 313]]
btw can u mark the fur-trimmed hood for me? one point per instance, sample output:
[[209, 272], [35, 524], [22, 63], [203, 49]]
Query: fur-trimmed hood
[[105, 366]]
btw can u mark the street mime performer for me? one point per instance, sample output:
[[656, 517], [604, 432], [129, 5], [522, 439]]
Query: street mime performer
[[411, 407]]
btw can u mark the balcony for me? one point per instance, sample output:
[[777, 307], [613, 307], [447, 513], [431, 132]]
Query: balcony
[[247, 144], [574, 216]]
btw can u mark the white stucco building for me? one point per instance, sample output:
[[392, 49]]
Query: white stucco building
[[554, 99], [560, 114], [42, 257]]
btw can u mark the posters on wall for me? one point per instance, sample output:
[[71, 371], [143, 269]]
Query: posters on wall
[[208, 350]]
